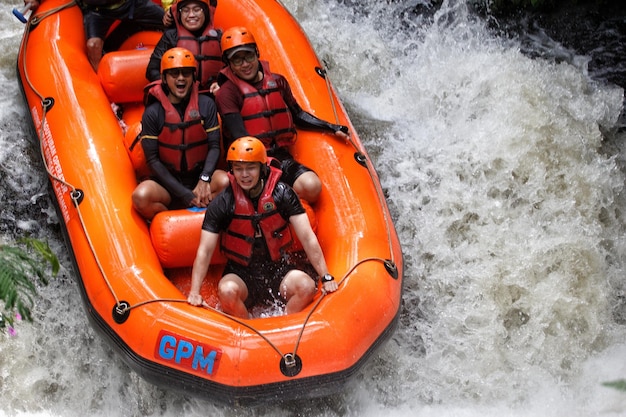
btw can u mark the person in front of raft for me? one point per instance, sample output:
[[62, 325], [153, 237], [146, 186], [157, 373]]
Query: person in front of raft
[[99, 16], [180, 140], [249, 221], [194, 30], [253, 101]]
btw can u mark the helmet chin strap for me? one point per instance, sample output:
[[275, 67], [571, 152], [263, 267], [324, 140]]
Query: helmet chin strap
[[257, 189]]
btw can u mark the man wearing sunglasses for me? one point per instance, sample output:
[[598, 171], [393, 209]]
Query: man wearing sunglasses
[[180, 140], [253, 101]]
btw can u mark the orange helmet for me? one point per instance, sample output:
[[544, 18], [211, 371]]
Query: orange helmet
[[236, 39], [177, 58], [247, 149]]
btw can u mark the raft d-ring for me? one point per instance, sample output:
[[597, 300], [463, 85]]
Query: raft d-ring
[[77, 196], [360, 158], [290, 364], [391, 268], [47, 103], [121, 311]]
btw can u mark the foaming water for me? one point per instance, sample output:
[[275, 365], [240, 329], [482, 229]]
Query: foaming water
[[507, 199]]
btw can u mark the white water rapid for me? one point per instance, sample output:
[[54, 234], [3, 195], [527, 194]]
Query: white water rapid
[[510, 206]]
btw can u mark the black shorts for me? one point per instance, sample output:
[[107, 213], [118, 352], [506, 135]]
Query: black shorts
[[189, 180], [263, 279], [98, 21], [291, 168]]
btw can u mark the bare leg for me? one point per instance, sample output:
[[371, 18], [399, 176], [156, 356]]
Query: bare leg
[[298, 289], [150, 198], [232, 292], [94, 52], [219, 182], [308, 186]]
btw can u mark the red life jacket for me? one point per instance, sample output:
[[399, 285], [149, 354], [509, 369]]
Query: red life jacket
[[265, 114], [183, 144], [206, 48], [238, 239]]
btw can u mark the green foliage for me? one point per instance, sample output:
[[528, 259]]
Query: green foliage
[[620, 384], [19, 270]]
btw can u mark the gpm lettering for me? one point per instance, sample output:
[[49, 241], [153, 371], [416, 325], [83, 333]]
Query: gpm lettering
[[188, 353]]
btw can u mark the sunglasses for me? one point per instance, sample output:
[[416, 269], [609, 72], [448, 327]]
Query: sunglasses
[[175, 73]]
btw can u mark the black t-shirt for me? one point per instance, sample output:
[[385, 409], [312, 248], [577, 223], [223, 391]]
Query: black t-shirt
[[220, 211]]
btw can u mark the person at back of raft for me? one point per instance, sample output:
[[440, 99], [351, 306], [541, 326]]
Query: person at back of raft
[[253, 101], [193, 30], [249, 221], [99, 16], [180, 140]]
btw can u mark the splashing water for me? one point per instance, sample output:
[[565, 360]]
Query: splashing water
[[505, 177]]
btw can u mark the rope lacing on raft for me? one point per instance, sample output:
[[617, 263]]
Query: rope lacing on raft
[[251, 328], [123, 308]]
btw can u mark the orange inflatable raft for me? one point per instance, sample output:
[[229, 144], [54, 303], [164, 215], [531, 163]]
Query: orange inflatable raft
[[134, 277]]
